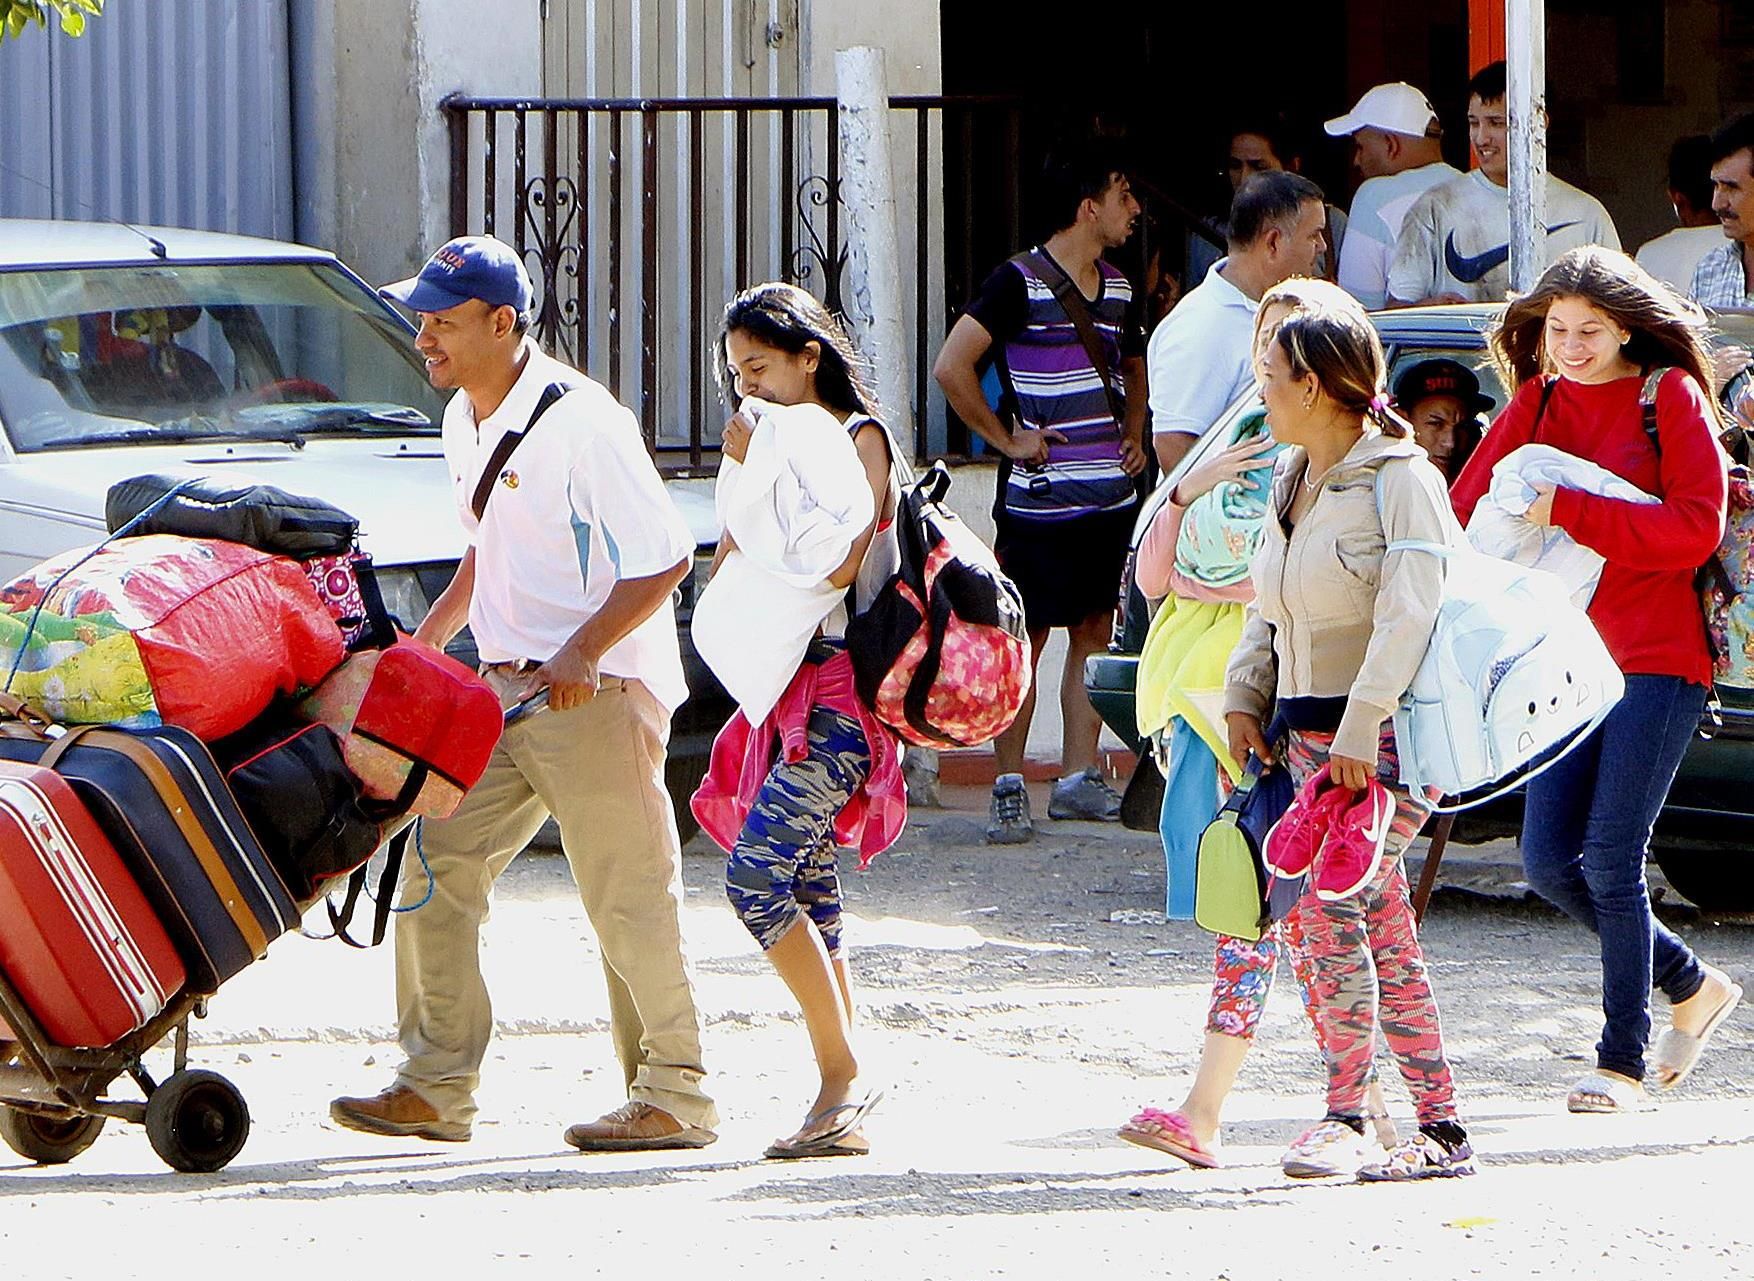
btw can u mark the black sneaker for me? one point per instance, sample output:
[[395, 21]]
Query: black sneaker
[[1008, 819], [1086, 795]]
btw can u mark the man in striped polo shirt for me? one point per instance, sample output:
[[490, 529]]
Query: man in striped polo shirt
[[1062, 329]]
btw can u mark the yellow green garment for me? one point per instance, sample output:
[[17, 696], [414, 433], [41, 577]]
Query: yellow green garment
[[1181, 671]]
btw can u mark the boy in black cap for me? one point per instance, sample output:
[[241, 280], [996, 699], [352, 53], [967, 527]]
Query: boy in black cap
[[1443, 401]]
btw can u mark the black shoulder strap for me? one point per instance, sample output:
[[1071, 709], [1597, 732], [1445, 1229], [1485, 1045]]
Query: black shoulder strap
[[1072, 302], [510, 441], [1548, 383], [1647, 404]]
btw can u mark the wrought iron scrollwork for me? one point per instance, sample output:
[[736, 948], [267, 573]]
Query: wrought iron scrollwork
[[812, 255], [557, 309]]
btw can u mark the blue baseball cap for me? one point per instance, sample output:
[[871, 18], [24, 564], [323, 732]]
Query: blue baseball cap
[[468, 267]]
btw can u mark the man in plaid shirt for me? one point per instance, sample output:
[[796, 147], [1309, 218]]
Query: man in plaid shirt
[[1725, 276]]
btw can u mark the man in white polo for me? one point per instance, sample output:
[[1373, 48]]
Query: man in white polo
[[1397, 145], [1199, 359], [575, 549]]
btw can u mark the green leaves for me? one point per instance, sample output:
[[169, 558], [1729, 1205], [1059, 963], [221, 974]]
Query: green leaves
[[19, 14]]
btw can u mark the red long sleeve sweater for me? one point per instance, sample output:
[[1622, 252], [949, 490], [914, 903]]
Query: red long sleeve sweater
[[1645, 607]]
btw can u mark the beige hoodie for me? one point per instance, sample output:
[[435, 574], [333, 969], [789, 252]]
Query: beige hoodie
[[1335, 614]]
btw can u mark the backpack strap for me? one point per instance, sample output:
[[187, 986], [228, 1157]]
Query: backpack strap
[[502, 452], [1071, 301], [1647, 406], [1548, 383]]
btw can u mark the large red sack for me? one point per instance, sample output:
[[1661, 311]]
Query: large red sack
[[161, 629]]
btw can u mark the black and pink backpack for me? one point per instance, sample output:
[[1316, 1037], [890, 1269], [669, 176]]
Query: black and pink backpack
[[941, 654]]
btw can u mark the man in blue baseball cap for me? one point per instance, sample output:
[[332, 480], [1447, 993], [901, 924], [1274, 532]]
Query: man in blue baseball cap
[[574, 552]]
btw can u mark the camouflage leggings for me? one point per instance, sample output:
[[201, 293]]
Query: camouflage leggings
[[783, 866], [1368, 966]]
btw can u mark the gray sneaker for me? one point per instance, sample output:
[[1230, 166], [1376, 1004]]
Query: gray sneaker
[[1008, 819], [1085, 795]]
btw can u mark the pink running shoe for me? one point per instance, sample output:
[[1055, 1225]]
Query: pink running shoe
[[1355, 841], [1295, 838]]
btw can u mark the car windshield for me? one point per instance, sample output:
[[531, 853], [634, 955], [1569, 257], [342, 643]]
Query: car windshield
[[170, 352]]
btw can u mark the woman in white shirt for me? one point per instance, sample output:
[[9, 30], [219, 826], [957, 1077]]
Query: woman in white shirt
[[814, 771]]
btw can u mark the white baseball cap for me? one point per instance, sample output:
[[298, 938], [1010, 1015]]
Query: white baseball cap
[[1395, 108]]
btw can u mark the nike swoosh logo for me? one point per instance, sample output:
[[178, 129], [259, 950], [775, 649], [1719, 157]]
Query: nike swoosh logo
[[1472, 270], [1378, 830]]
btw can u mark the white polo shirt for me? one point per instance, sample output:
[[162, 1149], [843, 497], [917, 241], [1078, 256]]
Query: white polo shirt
[[577, 508], [1200, 358]]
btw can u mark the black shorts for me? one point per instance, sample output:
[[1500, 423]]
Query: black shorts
[[1067, 570]]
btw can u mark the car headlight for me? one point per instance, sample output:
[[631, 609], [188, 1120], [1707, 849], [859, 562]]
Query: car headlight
[[404, 597]]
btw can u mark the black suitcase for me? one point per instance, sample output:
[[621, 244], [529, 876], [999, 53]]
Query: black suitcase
[[238, 511], [161, 799]]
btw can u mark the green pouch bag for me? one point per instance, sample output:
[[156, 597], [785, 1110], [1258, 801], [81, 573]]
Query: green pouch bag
[[1230, 880]]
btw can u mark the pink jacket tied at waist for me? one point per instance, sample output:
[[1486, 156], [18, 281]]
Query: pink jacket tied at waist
[[743, 754]]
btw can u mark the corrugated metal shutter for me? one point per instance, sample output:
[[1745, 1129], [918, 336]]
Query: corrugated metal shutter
[[176, 112]]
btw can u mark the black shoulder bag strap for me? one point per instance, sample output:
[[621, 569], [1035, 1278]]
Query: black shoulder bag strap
[[1066, 293], [502, 452], [1548, 383]]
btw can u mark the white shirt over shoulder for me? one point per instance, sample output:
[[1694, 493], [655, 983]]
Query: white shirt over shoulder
[[794, 508], [1199, 359], [577, 508]]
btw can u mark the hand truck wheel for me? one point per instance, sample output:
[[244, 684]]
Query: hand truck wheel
[[46, 1138], [197, 1121]]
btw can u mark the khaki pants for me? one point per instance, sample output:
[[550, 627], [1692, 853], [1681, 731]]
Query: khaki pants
[[599, 769]]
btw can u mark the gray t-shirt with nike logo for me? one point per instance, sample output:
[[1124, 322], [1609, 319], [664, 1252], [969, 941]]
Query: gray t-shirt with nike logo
[[1456, 237]]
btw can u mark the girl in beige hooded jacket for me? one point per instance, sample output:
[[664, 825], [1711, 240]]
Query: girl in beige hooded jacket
[[1337, 629]]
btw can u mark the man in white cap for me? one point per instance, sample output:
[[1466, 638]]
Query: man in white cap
[[1397, 145]]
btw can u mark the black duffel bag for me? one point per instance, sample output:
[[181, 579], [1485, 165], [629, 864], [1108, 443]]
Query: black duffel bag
[[235, 510], [303, 804]]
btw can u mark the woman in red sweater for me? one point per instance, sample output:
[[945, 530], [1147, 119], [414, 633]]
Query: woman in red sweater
[[1578, 347]]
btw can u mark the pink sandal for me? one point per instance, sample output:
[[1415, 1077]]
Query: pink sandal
[[1168, 1132]]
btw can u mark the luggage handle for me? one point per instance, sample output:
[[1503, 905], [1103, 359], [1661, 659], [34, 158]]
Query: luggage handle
[[12, 707]]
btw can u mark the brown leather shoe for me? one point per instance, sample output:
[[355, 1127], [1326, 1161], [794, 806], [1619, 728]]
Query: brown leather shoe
[[397, 1111], [636, 1127]]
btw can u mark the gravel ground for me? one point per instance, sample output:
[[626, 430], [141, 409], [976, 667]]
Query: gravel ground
[[1017, 1005]]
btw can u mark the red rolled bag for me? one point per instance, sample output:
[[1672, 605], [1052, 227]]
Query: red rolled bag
[[416, 726]]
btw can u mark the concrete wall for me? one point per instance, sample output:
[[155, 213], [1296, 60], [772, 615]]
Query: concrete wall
[[373, 167], [906, 30]]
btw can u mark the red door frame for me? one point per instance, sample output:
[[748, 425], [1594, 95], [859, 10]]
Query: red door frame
[[1485, 33]]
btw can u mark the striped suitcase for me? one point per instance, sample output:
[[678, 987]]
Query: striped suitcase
[[78, 939], [165, 804]]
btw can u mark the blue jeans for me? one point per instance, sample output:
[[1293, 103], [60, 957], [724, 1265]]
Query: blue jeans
[[1586, 832]]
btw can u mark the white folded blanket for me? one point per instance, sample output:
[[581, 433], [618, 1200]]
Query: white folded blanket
[[793, 508], [1500, 526]]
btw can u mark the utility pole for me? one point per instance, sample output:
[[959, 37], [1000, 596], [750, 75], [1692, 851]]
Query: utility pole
[[1525, 36]]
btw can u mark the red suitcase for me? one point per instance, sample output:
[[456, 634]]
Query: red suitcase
[[77, 939]]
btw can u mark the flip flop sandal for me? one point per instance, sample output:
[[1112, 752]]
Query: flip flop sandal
[[1600, 1093], [1676, 1053], [837, 1141], [1169, 1132]]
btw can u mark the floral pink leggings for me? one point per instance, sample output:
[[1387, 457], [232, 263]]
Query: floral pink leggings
[[1350, 960], [1367, 966]]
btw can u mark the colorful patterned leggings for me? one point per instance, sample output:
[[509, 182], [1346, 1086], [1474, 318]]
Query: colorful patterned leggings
[[783, 866], [1242, 979], [1367, 964]]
